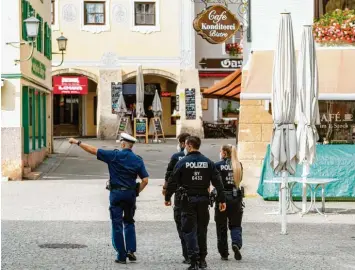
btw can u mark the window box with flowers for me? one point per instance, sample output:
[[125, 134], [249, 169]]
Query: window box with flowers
[[335, 28], [234, 49]]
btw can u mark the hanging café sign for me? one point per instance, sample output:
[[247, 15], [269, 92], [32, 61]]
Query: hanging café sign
[[216, 24]]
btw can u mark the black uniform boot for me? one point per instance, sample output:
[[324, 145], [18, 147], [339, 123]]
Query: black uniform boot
[[186, 261], [131, 257], [237, 254], [203, 264], [193, 266]]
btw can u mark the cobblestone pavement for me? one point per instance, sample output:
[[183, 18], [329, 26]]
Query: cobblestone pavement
[[75, 211]]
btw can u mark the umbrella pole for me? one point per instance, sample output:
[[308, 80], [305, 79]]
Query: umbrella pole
[[304, 186], [284, 203]]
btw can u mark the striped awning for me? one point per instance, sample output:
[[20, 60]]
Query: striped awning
[[228, 88]]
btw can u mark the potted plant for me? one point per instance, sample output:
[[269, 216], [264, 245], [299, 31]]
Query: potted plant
[[234, 49], [337, 27]]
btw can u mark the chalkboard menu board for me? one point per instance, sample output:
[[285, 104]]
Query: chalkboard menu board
[[141, 128], [123, 124], [157, 126], [116, 90], [190, 104]]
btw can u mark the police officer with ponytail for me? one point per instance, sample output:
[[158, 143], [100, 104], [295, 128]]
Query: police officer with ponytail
[[231, 171], [191, 179]]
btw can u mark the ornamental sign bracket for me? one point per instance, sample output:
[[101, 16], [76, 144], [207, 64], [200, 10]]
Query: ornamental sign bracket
[[216, 24]]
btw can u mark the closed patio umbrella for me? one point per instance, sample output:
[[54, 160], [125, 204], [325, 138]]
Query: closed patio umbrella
[[157, 108], [284, 95], [121, 105], [140, 93], [308, 110]]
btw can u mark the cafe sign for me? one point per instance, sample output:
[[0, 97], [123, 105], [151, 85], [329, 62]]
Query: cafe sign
[[69, 85], [38, 69], [216, 24]]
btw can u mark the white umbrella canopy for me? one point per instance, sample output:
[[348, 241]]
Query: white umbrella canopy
[[121, 105], [308, 110], [157, 108], [284, 96], [307, 104], [140, 93]]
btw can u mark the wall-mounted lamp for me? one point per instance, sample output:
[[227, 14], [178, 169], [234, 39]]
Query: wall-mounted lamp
[[32, 25], [62, 46]]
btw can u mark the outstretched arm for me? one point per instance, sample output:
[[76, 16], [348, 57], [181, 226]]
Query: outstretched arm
[[86, 147]]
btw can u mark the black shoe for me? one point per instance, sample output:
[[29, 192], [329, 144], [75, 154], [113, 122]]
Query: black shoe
[[224, 258], [203, 264], [186, 261], [237, 254], [131, 257], [193, 267], [121, 261]]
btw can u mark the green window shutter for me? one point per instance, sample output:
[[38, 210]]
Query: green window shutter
[[25, 119], [45, 39], [33, 119], [39, 37], [44, 119], [39, 116], [24, 17], [31, 11], [49, 43]]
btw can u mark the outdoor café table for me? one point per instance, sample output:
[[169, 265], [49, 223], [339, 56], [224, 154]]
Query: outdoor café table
[[278, 180], [314, 184]]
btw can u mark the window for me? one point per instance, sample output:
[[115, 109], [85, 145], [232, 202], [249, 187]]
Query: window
[[53, 11], [326, 6], [94, 13], [144, 13]]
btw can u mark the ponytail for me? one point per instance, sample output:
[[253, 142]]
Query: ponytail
[[236, 166], [231, 152]]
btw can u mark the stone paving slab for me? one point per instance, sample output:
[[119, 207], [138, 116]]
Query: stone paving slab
[[158, 246]]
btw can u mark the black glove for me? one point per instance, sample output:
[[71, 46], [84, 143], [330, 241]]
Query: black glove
[[137, 189]]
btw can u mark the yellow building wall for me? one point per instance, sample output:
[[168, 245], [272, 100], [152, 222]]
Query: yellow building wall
[[89, 121]]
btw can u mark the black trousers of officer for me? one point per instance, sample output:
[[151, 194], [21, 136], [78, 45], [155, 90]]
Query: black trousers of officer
[[177, 218], [195, 218], [233, 217]]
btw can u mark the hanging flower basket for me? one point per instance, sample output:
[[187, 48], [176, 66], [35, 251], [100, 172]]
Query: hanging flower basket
[[234, 49], [337, 27]]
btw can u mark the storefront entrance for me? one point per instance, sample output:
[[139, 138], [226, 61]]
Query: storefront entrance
[[66, 110]]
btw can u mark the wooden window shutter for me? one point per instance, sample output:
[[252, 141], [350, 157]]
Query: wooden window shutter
[[24, 5]]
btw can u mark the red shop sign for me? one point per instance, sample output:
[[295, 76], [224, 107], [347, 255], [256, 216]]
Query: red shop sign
[[64, 85], [165, 94]]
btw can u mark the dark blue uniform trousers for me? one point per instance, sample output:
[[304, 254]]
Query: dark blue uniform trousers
[[122, 209], [195, 218], [233, 216], [177, 218]]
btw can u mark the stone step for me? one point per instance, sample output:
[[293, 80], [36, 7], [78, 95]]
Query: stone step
[[32, 176], [27, 170]]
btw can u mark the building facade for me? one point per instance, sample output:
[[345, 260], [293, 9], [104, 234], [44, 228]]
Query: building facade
[[26, 92], [336, 90], [107, 40]]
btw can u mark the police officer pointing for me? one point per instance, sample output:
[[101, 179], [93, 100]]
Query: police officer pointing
[[124, 167], [177, 205], [191, 179]]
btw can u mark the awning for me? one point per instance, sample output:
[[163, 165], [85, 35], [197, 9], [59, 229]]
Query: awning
[[336, 75], [228, 88]]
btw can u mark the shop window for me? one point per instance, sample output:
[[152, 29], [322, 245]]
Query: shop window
[[95, 110], [53, 11], [326, 6], [144, 13], [172, 108], [94, 13], [337, 122]]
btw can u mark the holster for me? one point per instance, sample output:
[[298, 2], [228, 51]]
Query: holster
[[213, 197], [137, 189]]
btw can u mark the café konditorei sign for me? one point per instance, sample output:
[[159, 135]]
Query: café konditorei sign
[[216, 24]]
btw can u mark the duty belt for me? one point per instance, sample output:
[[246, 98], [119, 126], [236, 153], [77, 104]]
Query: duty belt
[[119, 187]]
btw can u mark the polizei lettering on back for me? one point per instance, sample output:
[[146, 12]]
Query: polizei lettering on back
[[197, 165], [226, 168]]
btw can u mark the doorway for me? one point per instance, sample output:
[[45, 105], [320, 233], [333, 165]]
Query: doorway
[[66, 112]]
